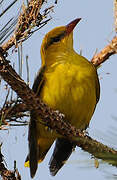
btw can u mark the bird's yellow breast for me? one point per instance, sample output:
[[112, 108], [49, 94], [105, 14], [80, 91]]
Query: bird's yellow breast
[[71, 88]]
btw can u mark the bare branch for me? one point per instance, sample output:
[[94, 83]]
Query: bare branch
[[54, 119], [105, 53]]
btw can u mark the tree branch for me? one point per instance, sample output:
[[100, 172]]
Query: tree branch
[[105, 53], [54, 119]]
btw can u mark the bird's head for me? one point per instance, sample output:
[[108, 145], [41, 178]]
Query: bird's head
[[58, 39]]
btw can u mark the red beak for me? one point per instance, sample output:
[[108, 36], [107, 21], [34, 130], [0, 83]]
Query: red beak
[[71, 25]]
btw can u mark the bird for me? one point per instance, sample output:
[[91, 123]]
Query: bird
[[66, 82]]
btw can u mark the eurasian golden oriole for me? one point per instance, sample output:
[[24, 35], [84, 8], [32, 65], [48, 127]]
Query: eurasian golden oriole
[[66, 82]]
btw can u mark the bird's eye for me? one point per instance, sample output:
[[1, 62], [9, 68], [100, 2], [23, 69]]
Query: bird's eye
[[55, 39]]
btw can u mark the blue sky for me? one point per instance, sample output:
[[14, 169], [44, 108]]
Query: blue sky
[[94, 32]]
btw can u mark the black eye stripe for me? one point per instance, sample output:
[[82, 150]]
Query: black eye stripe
[[57, 38]]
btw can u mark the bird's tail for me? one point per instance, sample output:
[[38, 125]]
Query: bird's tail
[[62, 151], [38, 148], [41, 150]]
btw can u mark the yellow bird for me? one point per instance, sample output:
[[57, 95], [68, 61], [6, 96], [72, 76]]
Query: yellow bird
[[67, 82]]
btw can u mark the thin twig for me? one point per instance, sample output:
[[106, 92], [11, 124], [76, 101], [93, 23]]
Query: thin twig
[[27, 70], [8, 8]]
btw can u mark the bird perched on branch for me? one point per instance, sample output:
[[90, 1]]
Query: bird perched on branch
[[66, 82]]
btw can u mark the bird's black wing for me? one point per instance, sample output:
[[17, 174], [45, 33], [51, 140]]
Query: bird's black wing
[[32, 135], [39, 81], [62, 151], [97, 89]]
